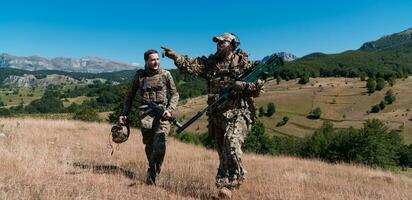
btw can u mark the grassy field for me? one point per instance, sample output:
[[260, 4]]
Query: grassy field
[[22, 95], [61, 159], [343, 101]]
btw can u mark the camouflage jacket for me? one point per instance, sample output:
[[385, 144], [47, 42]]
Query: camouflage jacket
[[155, 86], [221, 74]]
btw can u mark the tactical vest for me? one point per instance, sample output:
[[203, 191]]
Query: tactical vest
[[153, 87], [223, 74]]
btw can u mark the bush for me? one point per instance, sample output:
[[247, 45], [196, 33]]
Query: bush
[[284, 121], [380, 84], [187, 137], [315, 113], [45, 105], [372, 145], [1, 103], [257, 141], [316, 145], [271, 109], [375, 109], [391, 81], [371, 85], [390, 97], [405, 156], [363, 76], [86, 114], [4, 112], [304, 79], [133, 117], [278, 80], [382, 105]]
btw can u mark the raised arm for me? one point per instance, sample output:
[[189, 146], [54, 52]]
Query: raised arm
[[192, 66]]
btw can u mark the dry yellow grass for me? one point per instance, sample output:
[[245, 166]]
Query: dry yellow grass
[[59, 159]]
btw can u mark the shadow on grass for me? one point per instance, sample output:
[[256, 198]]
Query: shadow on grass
[[195, 188], [107, 169]]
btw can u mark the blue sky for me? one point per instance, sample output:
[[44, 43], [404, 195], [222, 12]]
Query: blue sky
[[123, 30]]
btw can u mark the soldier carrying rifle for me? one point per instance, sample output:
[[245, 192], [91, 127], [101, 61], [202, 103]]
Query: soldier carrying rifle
[[230, 122], [157, 92]]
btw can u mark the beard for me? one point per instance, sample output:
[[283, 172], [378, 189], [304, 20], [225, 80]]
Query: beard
[[223, 53]]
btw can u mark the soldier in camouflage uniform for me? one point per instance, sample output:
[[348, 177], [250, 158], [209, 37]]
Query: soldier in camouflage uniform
[[230, 123], [153, 84]]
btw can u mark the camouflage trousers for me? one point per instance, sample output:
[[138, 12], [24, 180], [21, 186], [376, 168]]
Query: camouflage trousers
[[155, 145], [229, 131]]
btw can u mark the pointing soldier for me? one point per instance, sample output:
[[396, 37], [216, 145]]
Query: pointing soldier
[[230, 123]]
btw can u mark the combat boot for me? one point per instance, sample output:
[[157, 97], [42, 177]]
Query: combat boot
[[150, 177]]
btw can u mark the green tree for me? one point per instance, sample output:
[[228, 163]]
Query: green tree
[[391, 81], [271, 109], [375, 109], [278, 80], [405, 156], [382, 105], [258, 141], [363, 76], [380, 83], [4, 112], [86, 114], [317, 144], [284, 121], [315, 113], [371, 85], [390, 97], [133, 117], [1, 102], [304, 79]]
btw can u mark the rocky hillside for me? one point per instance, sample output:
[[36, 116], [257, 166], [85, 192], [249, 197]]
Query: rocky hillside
[[29, 80], [388, 56], [85, 64], [403, 38]]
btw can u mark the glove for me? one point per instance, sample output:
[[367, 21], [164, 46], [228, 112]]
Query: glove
[[170, 53]]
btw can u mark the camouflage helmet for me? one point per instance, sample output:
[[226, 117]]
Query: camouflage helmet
[[120, 133], [230, 37]]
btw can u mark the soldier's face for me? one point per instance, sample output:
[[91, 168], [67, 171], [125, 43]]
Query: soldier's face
[[153, 61], [222, 45]]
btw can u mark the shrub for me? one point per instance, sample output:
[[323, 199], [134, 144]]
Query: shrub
[[380, 83], [257, 141], [86, 114], [390, 97], [271, 109], [391, 81], [405, 156], [315, 113], [304, 79], [382, 105], [371, 85], [375, 109], [4, 112], [284, 121]]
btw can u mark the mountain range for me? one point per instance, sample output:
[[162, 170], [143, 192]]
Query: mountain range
[[84, 64]]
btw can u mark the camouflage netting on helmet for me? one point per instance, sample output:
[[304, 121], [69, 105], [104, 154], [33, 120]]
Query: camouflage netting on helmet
[[120, 133]]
